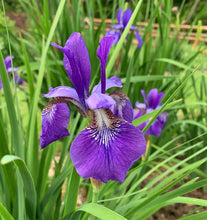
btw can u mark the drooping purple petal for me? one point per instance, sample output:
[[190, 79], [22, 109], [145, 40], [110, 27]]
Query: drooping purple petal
[[0, 84], [163, 116], [115, 34], [123, 107], [77, 64], [137, 113], [99, 100], [18, 79], [157, 125], [10, 69], [67, 94], [154, 98], [139, 39], [141, 105], [7, 62], [142, 126], [114, 81], [133, 28], [118, 26], [112, 147], [155, 128], [119, 15], [62, 91], [55, 119], [102, 52], [126, 17]]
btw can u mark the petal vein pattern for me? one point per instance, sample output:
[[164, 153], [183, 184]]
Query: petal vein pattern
[[113, 146]]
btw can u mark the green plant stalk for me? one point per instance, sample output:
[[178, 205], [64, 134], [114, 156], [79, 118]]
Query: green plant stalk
[[29, 72], [72, 193], [4, 213], [31, 153]]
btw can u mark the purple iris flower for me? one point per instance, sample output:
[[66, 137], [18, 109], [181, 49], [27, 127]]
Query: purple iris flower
[[7, 62], [151, 102], [106, 149], [123, 19]]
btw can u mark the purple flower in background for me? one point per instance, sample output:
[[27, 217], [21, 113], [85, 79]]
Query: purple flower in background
[[123, 19], [151, 102], [7, 62], [113, 143]]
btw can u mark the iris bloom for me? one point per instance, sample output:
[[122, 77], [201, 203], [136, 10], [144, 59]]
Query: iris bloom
[[123, 19], [106, 149], [17, 78], [151, 102]]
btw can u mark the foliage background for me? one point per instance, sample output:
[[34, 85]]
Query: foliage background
[[176, 161]]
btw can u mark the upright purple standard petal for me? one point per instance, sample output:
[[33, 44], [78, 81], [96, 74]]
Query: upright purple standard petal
[[55, 119], [77, 64], [102, 52], [126, 17], [154, 98], [112, 147], [77, 45], [145, 98], [119, 15]]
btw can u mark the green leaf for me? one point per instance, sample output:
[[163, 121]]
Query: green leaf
[[199, 216], [31, 152], [100, 211], [4, 213], [28, 183], [72, 193], [16, 139]]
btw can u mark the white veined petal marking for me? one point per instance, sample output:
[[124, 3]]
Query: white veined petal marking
[[104, 126]]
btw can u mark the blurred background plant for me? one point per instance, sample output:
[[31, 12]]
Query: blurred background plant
[[43, 184]]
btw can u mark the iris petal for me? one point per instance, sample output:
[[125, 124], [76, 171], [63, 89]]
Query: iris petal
[[7, 61], [55, 119], [18, 79], [139, 39], [123, 107], [99, 100], [119, 14], [102, 52], [114, 81], [77, 64], [66, 94], [118, 26], [112, 147], [115, 34], [126, 17], [154, 98], [62, 91], [77, 45]]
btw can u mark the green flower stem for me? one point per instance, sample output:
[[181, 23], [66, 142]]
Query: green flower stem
[[72, 195], [96, 185]]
